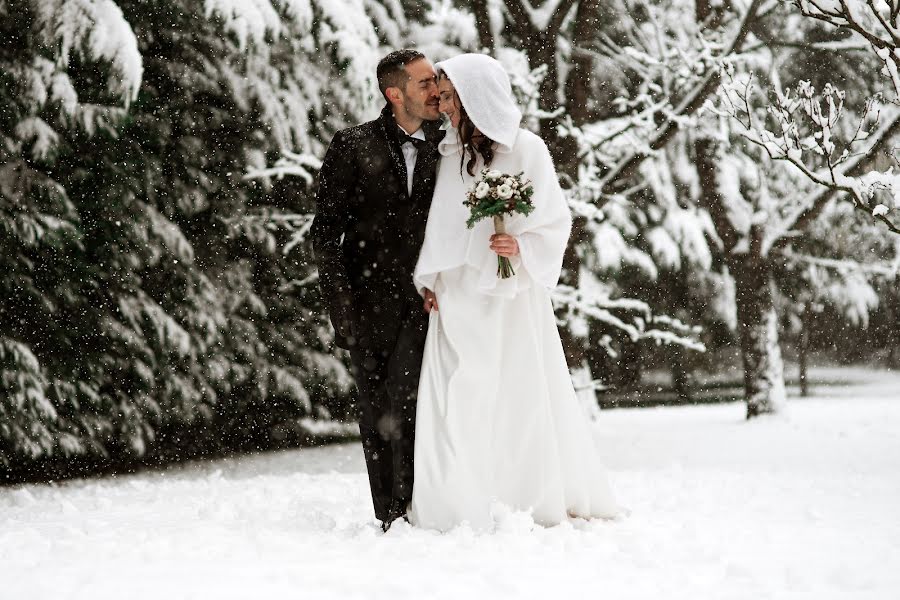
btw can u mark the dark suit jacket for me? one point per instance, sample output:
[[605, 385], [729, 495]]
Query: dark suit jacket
[[368, 230]]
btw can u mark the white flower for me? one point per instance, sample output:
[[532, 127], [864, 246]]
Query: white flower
[[505, 191], [481, 190], [492, 174]]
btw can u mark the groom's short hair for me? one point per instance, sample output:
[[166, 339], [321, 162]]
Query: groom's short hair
[[391, 71]]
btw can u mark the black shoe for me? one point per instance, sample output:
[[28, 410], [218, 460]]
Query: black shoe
[[385, 525]]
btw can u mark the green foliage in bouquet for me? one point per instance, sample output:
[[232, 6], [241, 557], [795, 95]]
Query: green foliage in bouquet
[[496, 194]]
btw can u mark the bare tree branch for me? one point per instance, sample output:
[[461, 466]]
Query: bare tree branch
[[559, 15], [521, 18]]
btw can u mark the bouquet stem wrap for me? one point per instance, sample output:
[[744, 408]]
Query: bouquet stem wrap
[[504, 267]]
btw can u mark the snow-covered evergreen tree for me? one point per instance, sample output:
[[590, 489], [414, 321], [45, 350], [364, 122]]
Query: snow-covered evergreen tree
[[45, 43], [147, 293]]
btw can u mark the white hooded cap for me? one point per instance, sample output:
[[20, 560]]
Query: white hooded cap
[[485, 92]]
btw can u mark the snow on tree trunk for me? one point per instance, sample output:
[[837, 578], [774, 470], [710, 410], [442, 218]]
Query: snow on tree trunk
[[758, 325], [756, 318], [585, 390]]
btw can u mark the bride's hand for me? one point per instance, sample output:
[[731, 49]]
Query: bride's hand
[[504, 245], [430, 301]]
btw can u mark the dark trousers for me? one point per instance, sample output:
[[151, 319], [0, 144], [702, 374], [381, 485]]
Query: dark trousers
[[388, 381]]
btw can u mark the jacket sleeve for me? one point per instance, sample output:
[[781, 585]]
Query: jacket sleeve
[[336, 182]]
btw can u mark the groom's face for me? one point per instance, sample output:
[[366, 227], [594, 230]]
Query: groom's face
[[420, 94]]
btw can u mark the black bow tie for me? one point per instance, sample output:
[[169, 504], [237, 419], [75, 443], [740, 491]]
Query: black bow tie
[[403, 137]]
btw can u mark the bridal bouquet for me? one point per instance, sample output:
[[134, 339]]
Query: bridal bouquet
[[495, 194]]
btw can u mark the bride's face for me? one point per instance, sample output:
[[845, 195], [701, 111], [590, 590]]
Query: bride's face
[[449, 101]]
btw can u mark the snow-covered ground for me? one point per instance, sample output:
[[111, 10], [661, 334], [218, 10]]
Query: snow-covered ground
[[805, 506]]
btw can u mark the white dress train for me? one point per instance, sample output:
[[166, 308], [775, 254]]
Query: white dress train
[[497, 416]]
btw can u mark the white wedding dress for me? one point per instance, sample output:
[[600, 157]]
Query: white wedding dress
[[497, 418]]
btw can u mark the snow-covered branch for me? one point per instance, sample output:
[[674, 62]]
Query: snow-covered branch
[[689, 103], [290, 164], [876, 21], [887, 270], [260, 227], [633, 317], [547, 17], [96, 30], [803, 128], [297, 224], [677, 108]]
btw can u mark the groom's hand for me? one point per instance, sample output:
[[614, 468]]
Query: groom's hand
[[504, 244], [429, 301], [343, 320]]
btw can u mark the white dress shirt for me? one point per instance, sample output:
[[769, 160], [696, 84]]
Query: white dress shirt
[[410, 152]]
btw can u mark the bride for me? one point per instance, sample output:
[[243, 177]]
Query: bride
[[497, 418]]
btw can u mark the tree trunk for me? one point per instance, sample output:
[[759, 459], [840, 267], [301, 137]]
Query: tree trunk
[[483, 23], [758, 326], [803, 349], [681, 375], [585, 390], [757, 321], [574, 346], [893, 316]]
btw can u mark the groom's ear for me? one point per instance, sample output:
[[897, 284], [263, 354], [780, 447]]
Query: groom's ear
[[394, 95]]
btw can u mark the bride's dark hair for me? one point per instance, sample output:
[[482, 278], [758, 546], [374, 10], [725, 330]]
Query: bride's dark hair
[[473, 145]]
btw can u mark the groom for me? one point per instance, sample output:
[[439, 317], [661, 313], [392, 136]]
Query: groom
[[375, 188]]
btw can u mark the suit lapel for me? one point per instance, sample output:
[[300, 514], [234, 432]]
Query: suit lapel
[[389, 130], [425, 161], [424, 171]]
